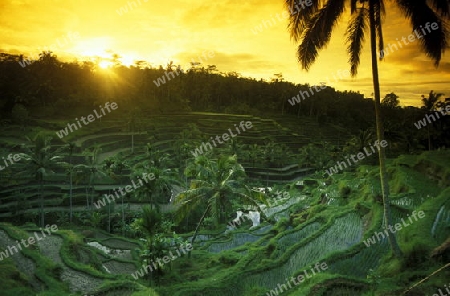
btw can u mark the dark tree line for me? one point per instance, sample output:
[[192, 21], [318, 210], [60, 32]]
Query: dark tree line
[[49, 83], [51, 89]]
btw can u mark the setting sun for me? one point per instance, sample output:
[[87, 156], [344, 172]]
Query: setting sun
[[104, 64], [97, 46]]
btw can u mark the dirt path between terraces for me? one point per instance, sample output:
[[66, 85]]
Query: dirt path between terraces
[[23, 264], [78, 281]]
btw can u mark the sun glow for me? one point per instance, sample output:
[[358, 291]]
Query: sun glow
[[91, 47], [128, 60], [105, 64]]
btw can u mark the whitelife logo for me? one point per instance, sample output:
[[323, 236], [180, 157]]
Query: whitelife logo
[[341, 74], [12, 159], [411, 38], [442, 294], [11, 250], [423, 123], [166, 259], [172, 74], [124, 9], [378, 236], [342, 165], [72, 126], [241, 217], [296, 8], [301, 278], [207, 146], [71, 37], [110, 198]]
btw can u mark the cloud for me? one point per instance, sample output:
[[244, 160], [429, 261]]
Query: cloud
[[224, 14], [229, 62]]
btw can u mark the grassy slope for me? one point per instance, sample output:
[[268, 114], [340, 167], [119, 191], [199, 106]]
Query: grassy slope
[[417, 183], [358, 269], [212, 274]]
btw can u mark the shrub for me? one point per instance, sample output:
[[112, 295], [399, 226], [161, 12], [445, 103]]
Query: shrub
[[344, 190], [229, 258], [271, 246], [88, 233], [19, 113]]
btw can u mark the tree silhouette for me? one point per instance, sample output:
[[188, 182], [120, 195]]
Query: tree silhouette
[[390, 101], [431, 102]]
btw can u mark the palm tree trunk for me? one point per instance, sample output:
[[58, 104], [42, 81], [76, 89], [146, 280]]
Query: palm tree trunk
[[91, 186], [71, 186], [311, 109], [123, 219], [87, 197], [387, 221], [70, 196], [109, 214], [42, 203], [198, 225], [218, 209]]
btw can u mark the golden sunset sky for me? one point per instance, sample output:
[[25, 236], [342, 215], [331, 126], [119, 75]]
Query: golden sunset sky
[[186, 30]]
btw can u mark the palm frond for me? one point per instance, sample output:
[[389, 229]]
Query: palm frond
[[355, 38], [254, 196], [419, 13], [191, 194], [380, 12], [442, 7], [196, 184], [298, 18], [317, 32], [188, 201], [353, 5]]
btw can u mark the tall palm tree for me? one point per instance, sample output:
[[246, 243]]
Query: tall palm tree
[[91, 170], [182, 146], [431, 102], [39, 161], [312, 27], [269, 152], [70, 147], [114, 167], [81, 176], [134, 124]]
